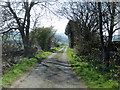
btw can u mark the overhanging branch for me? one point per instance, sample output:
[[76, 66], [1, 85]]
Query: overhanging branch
[[8, 30]]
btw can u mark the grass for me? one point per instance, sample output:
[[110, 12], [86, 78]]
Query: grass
[[90, 73], [23, 67], [54, 49]]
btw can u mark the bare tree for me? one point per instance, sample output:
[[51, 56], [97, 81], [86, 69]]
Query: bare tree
[[93, 17], [108, 13], [19, 16], [84, 22]]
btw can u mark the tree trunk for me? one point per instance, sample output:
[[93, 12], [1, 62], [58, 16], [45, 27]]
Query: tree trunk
[[106, 56], [26, 47], [27, 50], [110, 32], [106, 52], [100, 24], [49, 44], [25, 42]]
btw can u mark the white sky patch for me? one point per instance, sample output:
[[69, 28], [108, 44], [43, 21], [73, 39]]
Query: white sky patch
[[60, 25], [51, 19], [63, 0], [56, 23]]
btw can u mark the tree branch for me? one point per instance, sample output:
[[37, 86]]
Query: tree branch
[[14, 14], [8, 30]]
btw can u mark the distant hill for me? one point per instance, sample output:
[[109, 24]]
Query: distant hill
[[116, 38], [63, 37]]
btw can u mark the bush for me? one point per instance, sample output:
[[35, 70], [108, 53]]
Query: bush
[[22, 67], [91, 72]]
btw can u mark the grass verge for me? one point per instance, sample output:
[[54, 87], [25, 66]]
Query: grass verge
[[23, 67], [89, 72], [54, 49]]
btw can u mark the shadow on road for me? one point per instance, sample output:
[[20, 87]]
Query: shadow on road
[[52, 72], [57, 71]]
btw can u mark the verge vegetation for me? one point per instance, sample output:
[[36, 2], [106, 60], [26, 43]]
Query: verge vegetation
[[93, 73], [24, 66]]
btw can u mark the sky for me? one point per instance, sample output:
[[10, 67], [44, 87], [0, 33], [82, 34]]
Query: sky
[[56, 23], [48, 20], [51, 18]]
